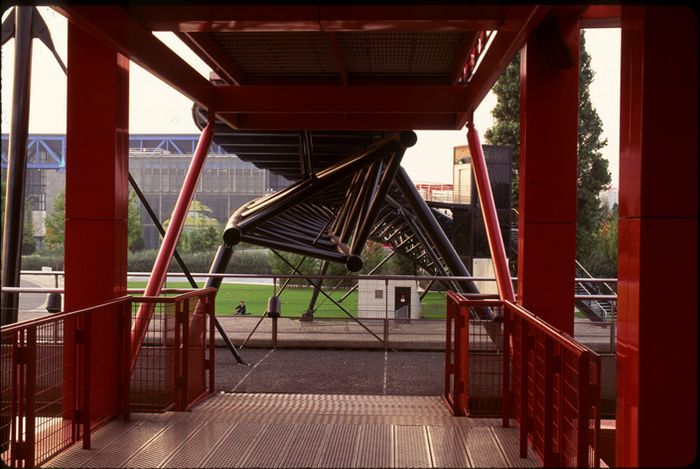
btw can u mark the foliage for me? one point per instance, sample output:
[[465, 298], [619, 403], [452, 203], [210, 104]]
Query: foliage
[[506, 114], [28, 241], [593, 173], [55, 224], [250, 261], [603, 259], [201, 232], [135, 223]]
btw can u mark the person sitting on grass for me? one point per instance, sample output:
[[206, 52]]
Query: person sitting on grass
[[240, 309]]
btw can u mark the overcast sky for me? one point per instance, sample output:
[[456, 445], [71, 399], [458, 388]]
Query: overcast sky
[[157, 108]]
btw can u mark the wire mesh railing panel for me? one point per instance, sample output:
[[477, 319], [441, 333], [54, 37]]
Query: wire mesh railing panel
[[196, 349], [153, 376], [7, 402], [485, 368], [54, 392]]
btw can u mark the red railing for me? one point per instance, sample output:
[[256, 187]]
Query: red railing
[[556, 391], [47, 403], [53, 393], [171, 368], [551, 382], [474, 357]]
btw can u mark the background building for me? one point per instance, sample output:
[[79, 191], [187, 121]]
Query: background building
[[158, 164]]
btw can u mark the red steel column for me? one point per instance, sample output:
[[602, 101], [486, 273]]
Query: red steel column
[[548, 156], [172, 234], [657, 259], [97, 143]]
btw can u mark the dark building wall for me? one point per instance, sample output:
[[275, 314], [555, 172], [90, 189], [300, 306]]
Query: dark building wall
[[469, 234]]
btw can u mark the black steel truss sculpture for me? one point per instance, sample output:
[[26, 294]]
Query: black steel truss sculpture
[[336, 202]]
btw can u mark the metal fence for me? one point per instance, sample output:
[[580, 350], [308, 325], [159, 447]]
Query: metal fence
[[556, 391], [175, 364], [54, 392], [551, 382], [47, 396]]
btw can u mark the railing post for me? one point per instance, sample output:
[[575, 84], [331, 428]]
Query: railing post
[[211, 311], [30, 410], [85, 339], [582, 409], [185, 354], [548, 404], [449, 366], [464, 358], [524, 415], [125, 320], [505, 403], [176, 352]]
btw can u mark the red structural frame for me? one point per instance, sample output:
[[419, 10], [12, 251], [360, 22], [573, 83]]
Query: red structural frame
[[658, 164]]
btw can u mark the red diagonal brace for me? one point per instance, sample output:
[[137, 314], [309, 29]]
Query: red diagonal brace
[[172, 234], [488, 210]]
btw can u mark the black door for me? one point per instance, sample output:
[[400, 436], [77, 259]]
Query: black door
[[402, 303]]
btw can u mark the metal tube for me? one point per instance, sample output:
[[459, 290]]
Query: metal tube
[[161, 230], [221, 260], [488, 210], [317, 287], [332, 300], [433, 229], [177, 221], [283, 200], [17, 164], [407, 139]]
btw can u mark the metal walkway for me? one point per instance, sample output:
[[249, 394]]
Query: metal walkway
[[302, 430]]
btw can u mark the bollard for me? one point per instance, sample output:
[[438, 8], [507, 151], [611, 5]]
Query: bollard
[[53, 304], [273, 311]]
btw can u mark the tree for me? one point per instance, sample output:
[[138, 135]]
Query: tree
[[55, 224], [28, 241], [135, 224], [603, 259], [593, 173], [201, 232]]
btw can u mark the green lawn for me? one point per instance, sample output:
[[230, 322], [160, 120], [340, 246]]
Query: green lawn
[[296, 300]]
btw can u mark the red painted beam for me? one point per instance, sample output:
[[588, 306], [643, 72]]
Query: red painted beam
[[498, 56], [214, 56], [114, 26], [341, 99], [277, 18], [172, 234], [488, 211], [602, 16]]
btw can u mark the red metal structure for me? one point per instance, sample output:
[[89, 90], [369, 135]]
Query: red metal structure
[[462, 51]]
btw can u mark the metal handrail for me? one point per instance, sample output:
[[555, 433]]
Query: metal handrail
[[14, 327], [316, 276]]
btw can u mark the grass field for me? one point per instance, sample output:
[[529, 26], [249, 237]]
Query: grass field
[[296, 300]]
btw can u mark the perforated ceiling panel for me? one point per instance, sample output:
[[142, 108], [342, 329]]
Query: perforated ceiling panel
[[365, 54], [401, 52], [279, 54]]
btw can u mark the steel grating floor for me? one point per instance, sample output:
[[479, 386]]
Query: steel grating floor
[[302, 430]]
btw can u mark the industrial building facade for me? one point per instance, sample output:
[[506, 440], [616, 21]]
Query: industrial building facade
[[158, 164]]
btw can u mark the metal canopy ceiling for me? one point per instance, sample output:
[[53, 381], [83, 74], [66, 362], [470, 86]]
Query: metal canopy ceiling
[[350, 67]]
